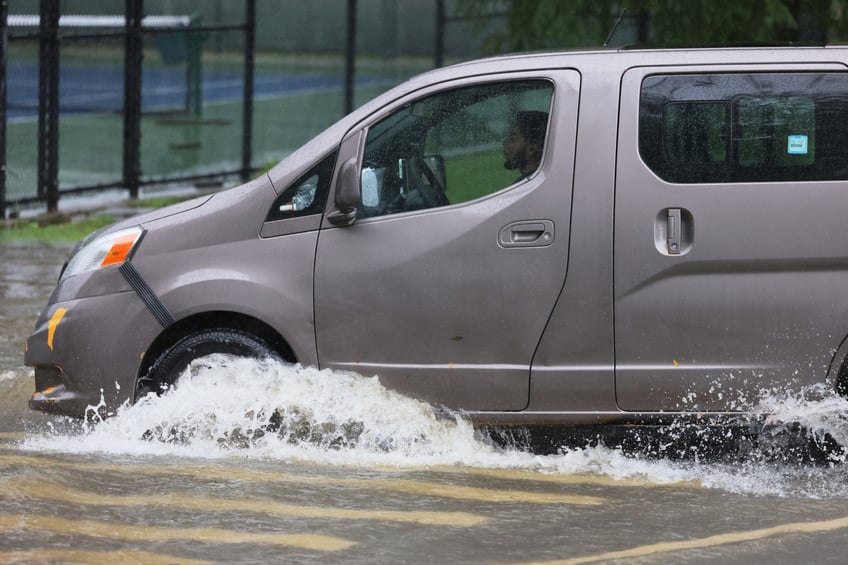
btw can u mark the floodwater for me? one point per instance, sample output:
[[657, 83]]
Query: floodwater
[[254, 462]]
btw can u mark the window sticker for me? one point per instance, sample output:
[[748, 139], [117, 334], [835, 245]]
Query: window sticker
[[797, 145]]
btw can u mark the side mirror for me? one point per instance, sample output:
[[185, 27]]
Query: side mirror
[[347, 195]]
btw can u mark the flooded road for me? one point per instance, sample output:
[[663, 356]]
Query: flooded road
[[255, 462]]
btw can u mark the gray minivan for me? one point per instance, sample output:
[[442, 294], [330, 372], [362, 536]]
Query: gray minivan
[[560, 238]]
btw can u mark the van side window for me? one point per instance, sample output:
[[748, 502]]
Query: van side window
[[450, 147], [755, 127], [307, 195]]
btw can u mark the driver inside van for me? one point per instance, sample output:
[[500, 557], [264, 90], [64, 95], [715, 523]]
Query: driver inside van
[[522, 147]]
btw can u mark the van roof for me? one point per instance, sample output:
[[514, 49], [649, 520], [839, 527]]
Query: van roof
[[643, 48], [659, 55]]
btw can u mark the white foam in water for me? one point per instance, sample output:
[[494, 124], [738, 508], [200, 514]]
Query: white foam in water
[[226, 407], [817, 408], [8, 376]]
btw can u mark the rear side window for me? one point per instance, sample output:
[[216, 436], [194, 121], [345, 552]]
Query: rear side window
[[745, 127]]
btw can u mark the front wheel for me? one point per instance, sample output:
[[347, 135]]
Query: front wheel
[[173, 362]]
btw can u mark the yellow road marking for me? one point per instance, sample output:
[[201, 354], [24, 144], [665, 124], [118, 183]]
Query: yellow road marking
[[562, 479], [252, 475], [51, 491], [12, 436], [483, 494], [146, 532], [94, 557], [710, 541]]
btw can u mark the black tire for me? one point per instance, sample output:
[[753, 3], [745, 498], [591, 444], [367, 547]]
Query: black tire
[[170, 365]]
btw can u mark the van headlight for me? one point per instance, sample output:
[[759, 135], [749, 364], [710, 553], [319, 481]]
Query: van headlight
[[101, 251]]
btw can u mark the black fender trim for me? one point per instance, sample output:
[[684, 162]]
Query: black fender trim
[[143, 290]]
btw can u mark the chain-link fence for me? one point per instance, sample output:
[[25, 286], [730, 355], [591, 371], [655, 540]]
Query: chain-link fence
[[146, 94]]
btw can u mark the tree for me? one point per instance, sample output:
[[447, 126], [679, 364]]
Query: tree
[[545, 24]]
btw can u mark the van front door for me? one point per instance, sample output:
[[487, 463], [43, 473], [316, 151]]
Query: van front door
[[444, 283], [730, 241]]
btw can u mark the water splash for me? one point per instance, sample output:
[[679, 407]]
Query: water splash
[[818, 410], [227, 407], [224, 406]]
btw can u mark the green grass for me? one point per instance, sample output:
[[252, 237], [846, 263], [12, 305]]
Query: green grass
[[70, 232]]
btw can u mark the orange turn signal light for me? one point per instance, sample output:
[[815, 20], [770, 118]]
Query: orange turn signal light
[[119, 250]]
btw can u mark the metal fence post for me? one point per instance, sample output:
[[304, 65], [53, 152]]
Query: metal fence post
[[4, 11], [133, 45], [350, 55], [439, 52], [247, 116], [48, 104], [194, 76]]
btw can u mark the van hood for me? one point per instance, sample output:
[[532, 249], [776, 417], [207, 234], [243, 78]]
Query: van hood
[[144, 218], [161, 213]]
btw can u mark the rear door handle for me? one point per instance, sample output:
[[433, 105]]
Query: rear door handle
[[529, 233], [673, 229]]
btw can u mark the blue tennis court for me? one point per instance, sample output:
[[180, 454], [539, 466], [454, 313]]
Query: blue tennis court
[[86, 89]]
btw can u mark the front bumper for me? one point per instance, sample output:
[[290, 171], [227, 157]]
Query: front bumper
[[87, 352]]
